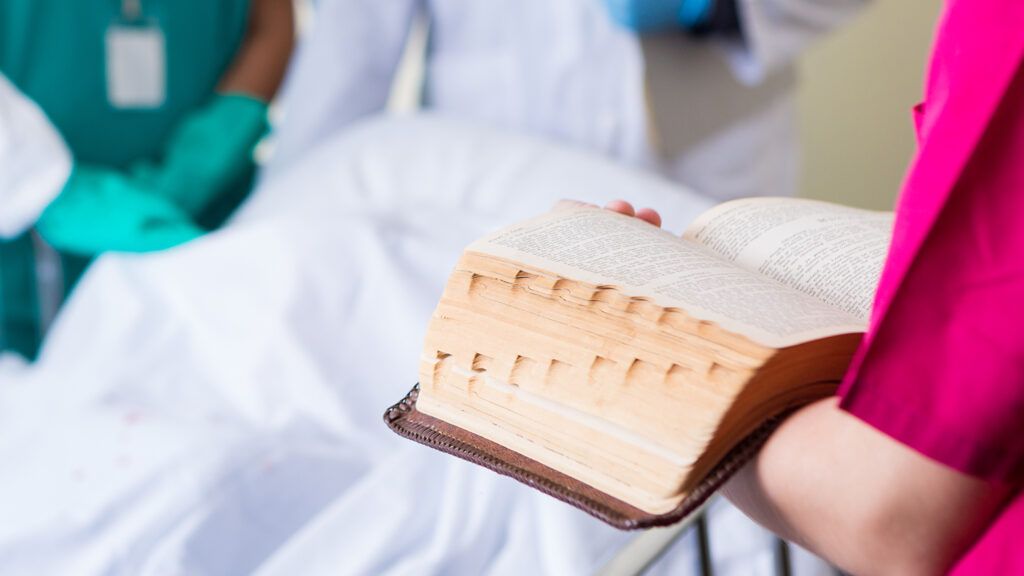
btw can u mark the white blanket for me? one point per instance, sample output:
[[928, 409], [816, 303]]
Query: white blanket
[[216, 409]]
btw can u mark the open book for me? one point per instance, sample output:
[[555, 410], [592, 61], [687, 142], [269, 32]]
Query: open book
[[628, 364]]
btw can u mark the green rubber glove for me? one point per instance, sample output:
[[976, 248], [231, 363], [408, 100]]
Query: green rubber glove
[[101, 210], [209, 152]]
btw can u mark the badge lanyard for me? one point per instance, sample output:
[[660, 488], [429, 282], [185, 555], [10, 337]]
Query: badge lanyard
[[136, 60]]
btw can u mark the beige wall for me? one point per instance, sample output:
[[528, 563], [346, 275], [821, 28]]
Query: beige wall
[[855, 97]]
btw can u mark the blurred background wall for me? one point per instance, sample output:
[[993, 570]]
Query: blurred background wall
[[857, 88]]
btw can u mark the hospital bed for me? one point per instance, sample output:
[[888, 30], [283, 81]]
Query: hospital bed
[[215, 409]]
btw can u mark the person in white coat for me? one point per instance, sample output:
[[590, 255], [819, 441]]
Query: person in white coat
[[715, 111]]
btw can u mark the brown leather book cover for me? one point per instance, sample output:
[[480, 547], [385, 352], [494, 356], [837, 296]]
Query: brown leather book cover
[[406, 421]]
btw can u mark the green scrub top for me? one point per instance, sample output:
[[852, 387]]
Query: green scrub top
[[55, 52]]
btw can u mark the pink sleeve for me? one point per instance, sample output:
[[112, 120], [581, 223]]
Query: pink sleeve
[[944, 368]]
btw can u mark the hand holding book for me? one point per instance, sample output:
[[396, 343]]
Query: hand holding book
[[635, 363]]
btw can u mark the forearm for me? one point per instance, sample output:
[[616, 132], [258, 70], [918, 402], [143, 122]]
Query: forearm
[[868, 504], [260, 64]]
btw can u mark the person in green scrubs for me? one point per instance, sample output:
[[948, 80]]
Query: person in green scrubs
[[161, 103]]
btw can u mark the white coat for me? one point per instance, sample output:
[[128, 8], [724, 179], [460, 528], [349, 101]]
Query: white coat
[[34, 163], [563, 70]]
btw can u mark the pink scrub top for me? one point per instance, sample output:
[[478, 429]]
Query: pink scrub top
[[942, 366]]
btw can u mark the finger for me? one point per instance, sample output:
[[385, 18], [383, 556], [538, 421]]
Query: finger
[[620, 206], [650, 216]]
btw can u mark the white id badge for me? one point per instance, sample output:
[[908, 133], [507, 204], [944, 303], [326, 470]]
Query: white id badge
[[136, 66]]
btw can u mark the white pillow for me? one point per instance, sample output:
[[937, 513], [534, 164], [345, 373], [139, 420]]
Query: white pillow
[[431, 168]]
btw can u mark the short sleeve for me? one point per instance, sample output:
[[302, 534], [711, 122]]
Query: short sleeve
[[944, 370], [35, 163]]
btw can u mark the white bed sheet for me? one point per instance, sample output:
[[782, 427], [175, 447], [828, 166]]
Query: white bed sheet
[[216, 409]]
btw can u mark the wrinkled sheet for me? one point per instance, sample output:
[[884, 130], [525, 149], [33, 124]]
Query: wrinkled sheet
[[216, 409]]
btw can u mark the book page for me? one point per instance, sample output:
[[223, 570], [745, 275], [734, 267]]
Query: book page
[[831, 252], [604, 248]]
